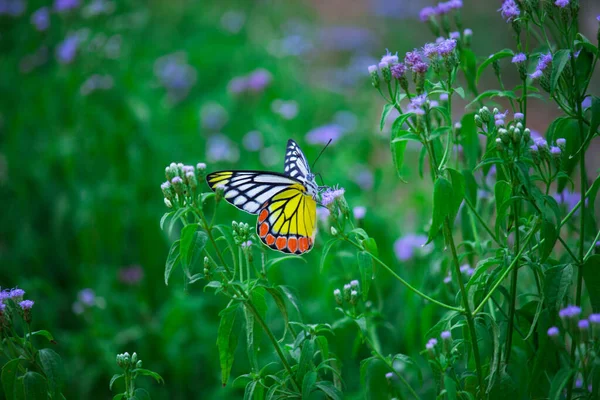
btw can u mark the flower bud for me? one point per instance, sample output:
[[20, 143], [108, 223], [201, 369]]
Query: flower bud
[[389, 376], [168, 203], [519, 126], [355, 285], [134, 358], [191, 180], [375, 81], [337, 294], [334, 231], [138, 364], [554, 333], [219, 193], [478, 121], [584, 330], [561, 143], [353, 297], [447, 339], [200, 171], [485, 114], [516, 136], [499, 144], [526, 135], [177, 183], [519, 117], [347, 290]]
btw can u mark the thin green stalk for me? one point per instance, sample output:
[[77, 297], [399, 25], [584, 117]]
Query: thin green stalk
[[405, 283], [529, 236], [592, 247], [573, 256], [481, 221], [274, 341], [513, 283], [465, 300]]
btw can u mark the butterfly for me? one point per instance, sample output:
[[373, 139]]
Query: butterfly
[[286, 203]]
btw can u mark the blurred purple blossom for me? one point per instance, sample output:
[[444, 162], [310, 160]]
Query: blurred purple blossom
[[67, 49], [363, 177], [323, 214], [328, 196], [213, 116], [65, 5], [569, 312], [405, 246], [587, 102], [416, 104], [17, 293], [389, 58], [446, 47], [96, 82], [561, 3], [454, 35], [258, 80], [175, 75], [87, 297], [427, 13], [286, 109], [12, 8], [569, 199], [519, 58], [220, 148], [98, 7], [345, 38], [131, 275], [322, 134], [233, 21], [509, 10], [253, 141], [26, 304], [359, 212], [553, 331], [41, 19]]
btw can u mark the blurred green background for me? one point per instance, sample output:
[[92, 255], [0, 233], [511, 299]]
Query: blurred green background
[[97, 97]]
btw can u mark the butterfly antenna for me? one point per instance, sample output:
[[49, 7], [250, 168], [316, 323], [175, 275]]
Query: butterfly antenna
[[321, 178], [314, 162]]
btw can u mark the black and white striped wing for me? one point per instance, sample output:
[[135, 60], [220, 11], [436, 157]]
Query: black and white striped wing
[[295, 164], [251, 190]]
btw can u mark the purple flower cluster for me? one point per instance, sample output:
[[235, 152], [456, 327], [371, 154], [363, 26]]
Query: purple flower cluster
[[561, 3], [442, 8], [41, 19], [509, 10], [63, 6], [417, 104], [543, 63], [569, 312], [414, 60], [569, 199], [467, 270], [16, 296], [67, 49], [322, 134], [519, 58], [330, 195], [175, 75], [255, 82]]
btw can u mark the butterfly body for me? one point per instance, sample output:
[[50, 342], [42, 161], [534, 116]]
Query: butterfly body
[[286, 204]]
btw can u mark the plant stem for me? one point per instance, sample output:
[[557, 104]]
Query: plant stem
[[465, 300], [273, 340], [405, 283], [505, 273], [481, 221], [513, 282]]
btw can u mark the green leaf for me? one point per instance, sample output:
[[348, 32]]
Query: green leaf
[[548, 238], [497, 56], [398, 148], [583, 67], [35, 386], [140, 394], [306, 355], [458, 189], [442, 208], [557, 280], [249, 391], [502, 193], [491, 94], [591, 277], [227, 338], [450, 386], [172, 259], [370, 245], [595, 109], [54, 370], [326, 249], [114, 378], [365, 265], [119, 396], [276, 261], [559, 61], [13, 387], [384, 114], [278, 297], [330, 391], [460, 91], [193, 242], [308, 383], [468, 62], [469, 140], [164, 219], [560, 382], [43, 333], [147, 372]]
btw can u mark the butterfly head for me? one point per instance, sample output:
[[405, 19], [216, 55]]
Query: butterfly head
[[311, 185]]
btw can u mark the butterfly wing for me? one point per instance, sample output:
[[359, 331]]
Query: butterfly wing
[[288, 222], [295, 164], [250, 191]]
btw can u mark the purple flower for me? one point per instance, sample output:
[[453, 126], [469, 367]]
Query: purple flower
[[372, 69], [416, 104], [420, 68], [322, 134], [569, 199], [499, 122], [561, 3], [246, 244], [553, 331], [446, 47], [519, 116], [444, 7], [17, 293], [2, 307], [594, 318], [433, 341], [65, 5], [67, 49], [444, 97], [509, 10], [390, 58], [555, 151], [445, 335], [220, 148], [323, 214], [430, 49], [426, 13], [175, 75], [359, 212], [41, 18], [176, 180], [5, 294], [213, 116], [87, 296], [26, 304], [405, 246], [569, 312], [253, 141], [545, 61], [412, 58], [259, 80], [583, 324], [536, 74], [540, 142], [519, 58], [455, 4], [383, 65], [131, 275], [13, 8], [330, 195], [430, 345], [454, 35], [398, 70], [447, 279], [237, 85], [363, 177], [467, 270], [587, 102], [534, 148], [468, 32]]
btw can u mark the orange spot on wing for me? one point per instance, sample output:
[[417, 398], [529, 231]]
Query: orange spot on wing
[[263, 229], [280, 243], [263, 215], [303, 244], [270, 239], [292, 244]]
